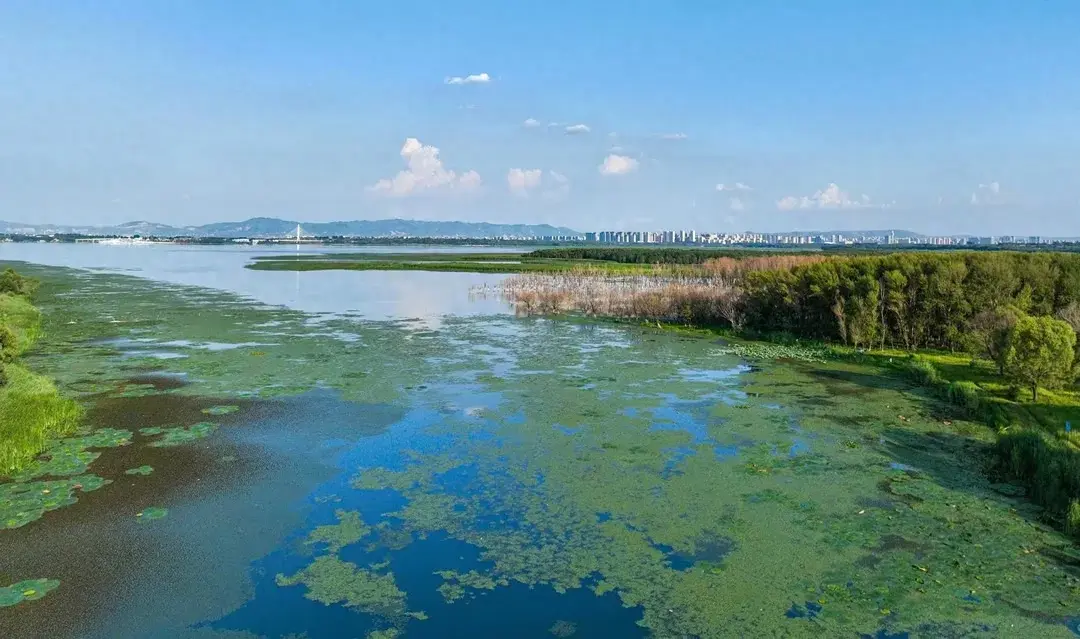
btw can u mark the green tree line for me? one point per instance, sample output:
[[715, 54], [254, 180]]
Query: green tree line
[[909, 300], [628, 255]]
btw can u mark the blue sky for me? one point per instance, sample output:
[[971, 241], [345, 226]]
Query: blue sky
[[945, 116]]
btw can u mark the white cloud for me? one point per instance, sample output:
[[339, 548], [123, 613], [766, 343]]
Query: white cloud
[[831, 197], [425, 172], [674, 136], [736, 204], [618, 165], [986, 194], [531, 123], [559, 186], [476, 78], [524, 182], [575, 129], [521, 181], [738, 186]]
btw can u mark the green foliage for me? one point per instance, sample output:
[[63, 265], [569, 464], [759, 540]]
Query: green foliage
[[31, 409], [178, 435], [24, 502], [72, 456], [924, 300], [14, 284], [151, 513], [769, 351], [1072, 518], [965, 395], [9, 345], [1039, 352], [28, 590], [32, 412], [1050, 470], [629, 255], [921, 371]]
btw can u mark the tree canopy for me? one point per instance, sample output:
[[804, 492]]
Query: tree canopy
[[1039, 352]]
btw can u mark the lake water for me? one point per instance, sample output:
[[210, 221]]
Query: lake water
[[376, 295], [366, 454]]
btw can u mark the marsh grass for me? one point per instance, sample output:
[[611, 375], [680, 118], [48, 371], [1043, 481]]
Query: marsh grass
[[31, 409], [32, 412]]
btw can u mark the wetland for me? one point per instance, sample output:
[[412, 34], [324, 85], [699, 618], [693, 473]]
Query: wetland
[[360, 453]]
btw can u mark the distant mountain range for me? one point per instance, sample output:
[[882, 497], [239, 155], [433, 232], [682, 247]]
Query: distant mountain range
[[263, 227]]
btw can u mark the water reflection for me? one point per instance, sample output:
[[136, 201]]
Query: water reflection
[[376, 295]]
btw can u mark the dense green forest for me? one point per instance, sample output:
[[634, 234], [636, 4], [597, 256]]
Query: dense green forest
[[908, 300]]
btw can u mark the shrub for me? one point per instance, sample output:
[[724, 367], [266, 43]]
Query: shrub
[[965, 395], [15, 284], [9, 344], [1072, 518], [921, 371], [1050, 470]]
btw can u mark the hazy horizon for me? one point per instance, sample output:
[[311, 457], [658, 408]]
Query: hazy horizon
[[938, 119]]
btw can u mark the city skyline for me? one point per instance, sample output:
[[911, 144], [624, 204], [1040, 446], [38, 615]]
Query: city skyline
[[946, 118]]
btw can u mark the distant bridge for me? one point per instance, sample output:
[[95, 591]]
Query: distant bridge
[[297, 238]]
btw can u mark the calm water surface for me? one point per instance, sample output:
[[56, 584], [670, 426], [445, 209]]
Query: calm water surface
[[397, 459], [375, 295]]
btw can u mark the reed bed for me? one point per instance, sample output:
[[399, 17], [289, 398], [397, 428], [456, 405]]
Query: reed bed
[[667, 294]]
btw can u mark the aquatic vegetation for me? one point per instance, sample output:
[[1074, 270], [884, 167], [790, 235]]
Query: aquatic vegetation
[[71, 456], [769, 351], [349, 530], [457, 585], [32, 411], [329, 580], [668, 542], [615, 460], [563, 629], [151, 513], [28, 590], [221, 410], [178, 435], [24, 502], [143, 470]]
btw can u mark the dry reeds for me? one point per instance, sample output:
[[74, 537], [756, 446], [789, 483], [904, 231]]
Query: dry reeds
[[736, 269], [668, 294]]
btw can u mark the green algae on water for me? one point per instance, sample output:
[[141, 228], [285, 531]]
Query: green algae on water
[[25, 502], [151, 513], [178, 435], [71, 455], [457, 585], [221, 410], [28, 590], [349, 530], [685, 523], [329, 580], [143, 470]]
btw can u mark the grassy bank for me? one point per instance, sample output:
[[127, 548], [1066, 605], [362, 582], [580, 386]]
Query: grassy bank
[[31, 409]]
